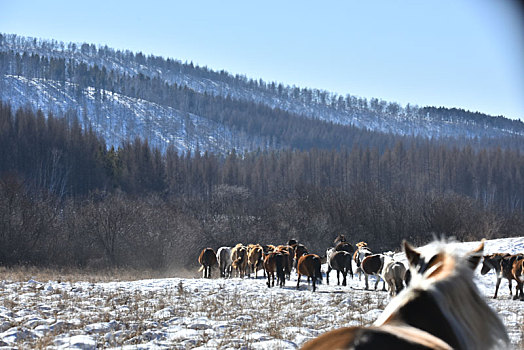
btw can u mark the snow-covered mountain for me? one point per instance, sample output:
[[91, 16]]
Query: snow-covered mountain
[[62, 77]]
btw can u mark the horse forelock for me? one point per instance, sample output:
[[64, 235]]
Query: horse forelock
[[448, 278]]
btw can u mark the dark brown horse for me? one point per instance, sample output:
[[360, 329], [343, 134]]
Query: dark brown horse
[[274, 263], [441, 309], [207, 259], [340, 261], [309, 265], [492, 261]]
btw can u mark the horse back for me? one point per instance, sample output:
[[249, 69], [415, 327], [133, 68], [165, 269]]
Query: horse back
[[372, 264], [309, 265], [207, 257], [371, 338]]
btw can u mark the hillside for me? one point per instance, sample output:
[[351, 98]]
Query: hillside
[[124, 95]]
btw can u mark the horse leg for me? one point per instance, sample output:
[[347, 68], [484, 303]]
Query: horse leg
[[497, 287], [344, 274], [314, 280], [376, 281], [327, 273], [338, 277], [509, 284], [366, 280], [298, 280]]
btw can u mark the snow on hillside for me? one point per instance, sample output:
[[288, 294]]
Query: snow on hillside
[[205, 314], [118, 117], [315, 103]]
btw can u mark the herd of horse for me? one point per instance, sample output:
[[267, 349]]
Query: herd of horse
[[279, 260], [439, 308]]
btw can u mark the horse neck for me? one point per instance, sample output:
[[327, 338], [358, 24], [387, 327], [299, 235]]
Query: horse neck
[[451, 309]]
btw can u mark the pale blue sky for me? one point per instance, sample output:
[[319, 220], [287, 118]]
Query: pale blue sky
[[455, 53]]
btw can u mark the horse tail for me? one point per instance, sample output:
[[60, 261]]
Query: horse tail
[[318, 273]]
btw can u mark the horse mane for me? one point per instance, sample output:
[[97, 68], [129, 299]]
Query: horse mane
[[452, 287], [361, 244]]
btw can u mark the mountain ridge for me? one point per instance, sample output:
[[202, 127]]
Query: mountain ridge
[[24, 57]]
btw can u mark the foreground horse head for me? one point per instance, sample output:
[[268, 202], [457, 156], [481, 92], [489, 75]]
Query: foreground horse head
[[207, 260], [441, 309]]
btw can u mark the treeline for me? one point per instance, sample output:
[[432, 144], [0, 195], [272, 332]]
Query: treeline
[[66, 199]]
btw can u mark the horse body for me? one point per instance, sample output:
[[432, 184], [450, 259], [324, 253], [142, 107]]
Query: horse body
[[309, 265], [224, 261], [493, 261], [341, 262], [255, 258], [511, 266], [518, 274], [359, 255], [274, 263], [441, 309], [207, 260], [239, 259]]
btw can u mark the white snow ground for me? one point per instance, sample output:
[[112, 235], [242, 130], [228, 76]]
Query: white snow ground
[[179, 313]]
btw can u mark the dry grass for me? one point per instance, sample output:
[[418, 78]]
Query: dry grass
[[24, 273]]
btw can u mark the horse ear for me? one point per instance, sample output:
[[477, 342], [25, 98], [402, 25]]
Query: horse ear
[[475, 255], [412, 255]]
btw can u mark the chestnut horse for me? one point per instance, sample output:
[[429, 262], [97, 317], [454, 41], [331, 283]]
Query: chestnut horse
[[518, 274], [274, 263], [309, 265], [207, 259], [255, 258], [511, 266], [239, 259], [441, 309]]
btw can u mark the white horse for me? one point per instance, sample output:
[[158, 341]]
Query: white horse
[[224, 261]]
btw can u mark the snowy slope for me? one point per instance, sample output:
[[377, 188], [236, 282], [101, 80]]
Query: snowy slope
[[206, 314], [309, 103], [118, 117]]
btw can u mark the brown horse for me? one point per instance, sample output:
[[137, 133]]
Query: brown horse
[[239, 259], [518, 274], [341, 262], [255, 258], [289, 254], [309, 265], [511, 266], [492, 261], [441, 309], [207, 259], [274, 263]]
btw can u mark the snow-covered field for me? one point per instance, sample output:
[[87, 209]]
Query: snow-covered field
[[206, 314]]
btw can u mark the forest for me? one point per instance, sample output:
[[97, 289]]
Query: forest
[[66, 199]]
